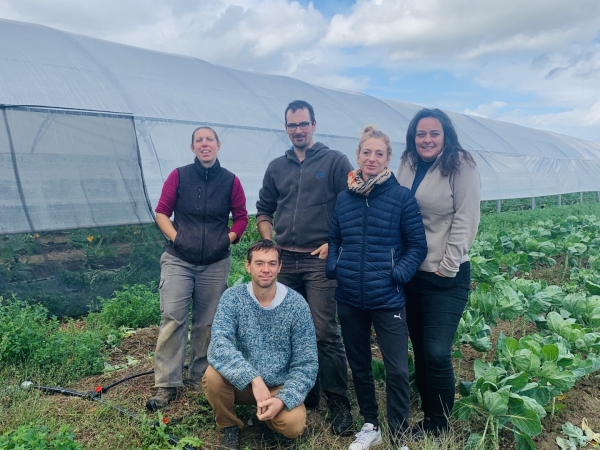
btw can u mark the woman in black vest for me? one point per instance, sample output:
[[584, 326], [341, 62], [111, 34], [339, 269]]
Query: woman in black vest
[[195, 264]]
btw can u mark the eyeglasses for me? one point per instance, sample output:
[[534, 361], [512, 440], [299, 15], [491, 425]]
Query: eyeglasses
[[293, 126]]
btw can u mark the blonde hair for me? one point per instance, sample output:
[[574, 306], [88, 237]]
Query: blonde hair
[[372, 132]]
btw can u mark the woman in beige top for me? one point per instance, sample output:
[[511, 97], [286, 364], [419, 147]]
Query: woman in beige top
[[444, 178]]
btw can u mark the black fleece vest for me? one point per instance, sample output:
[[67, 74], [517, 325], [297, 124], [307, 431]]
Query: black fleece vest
[[202, 213]]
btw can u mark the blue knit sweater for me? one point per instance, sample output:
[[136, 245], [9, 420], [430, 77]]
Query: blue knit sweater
[[279, 345]]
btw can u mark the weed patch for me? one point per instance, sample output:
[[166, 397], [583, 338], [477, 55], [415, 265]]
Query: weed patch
[[135, 306], [35, 437]]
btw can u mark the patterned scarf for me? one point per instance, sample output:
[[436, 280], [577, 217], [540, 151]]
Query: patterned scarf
[[358, 185]]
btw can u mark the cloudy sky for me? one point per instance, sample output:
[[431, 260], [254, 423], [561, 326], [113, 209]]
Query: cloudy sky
[[531, 62]]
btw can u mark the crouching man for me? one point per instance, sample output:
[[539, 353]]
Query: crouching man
[[263, 351]]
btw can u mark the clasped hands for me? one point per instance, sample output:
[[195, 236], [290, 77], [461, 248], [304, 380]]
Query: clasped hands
[[267, 407]]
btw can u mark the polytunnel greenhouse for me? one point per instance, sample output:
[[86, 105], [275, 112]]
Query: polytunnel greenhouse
[[90, 129]]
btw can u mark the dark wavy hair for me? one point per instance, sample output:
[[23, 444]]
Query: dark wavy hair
[[452, 152]]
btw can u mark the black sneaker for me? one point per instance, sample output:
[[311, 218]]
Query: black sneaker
[[231, 439], [341, 419], [161, 398], [419, 430]]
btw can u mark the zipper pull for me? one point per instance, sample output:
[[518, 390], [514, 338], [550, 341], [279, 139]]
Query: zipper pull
[[367, 200]]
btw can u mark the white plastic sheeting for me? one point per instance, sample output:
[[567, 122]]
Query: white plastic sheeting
[[160, 98], [62, 171]]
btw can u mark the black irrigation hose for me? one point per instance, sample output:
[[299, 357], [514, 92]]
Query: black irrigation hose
[[95, 398], [104, 389]]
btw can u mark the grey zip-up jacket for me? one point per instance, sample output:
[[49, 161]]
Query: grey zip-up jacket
[[302, 196]]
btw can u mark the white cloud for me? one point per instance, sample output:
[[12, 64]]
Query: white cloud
[[580, 122], [487, 109], [466, 29], [271, 36], [266, 35], [570, 79]]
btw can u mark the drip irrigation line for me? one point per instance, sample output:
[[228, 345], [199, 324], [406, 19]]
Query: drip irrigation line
[[104, 389], [96, 398]]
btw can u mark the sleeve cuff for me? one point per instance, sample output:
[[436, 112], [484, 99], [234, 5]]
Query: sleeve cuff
[[263, 218], [241, 382], [447, 273], [289, 400]]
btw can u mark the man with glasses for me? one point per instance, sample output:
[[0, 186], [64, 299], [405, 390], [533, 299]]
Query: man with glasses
[[300, 189]]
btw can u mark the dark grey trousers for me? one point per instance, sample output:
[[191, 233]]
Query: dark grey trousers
[[180, 284], [306, 275]]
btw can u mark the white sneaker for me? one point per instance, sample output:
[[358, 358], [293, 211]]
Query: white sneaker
[[366, 438]]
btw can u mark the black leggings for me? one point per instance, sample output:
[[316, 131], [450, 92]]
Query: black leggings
[[392, 338], [434, 306]]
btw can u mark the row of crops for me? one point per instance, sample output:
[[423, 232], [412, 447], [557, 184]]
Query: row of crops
[[554, 333]]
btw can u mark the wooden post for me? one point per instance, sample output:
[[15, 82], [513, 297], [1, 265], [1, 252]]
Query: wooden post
[[499, 204], [559, 199], [581, 197], [532, 203]]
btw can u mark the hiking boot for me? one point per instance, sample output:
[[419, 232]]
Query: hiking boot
[[341, 418], [312, 400], [161, 398], [273, 438], [366, 438], [193, 385], [231, 439]]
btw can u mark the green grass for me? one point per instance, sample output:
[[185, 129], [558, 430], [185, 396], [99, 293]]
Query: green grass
[[546, 202], [496, 223]]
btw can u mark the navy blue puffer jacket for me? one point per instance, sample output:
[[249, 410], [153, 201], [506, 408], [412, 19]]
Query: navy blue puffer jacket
[[376, 244]]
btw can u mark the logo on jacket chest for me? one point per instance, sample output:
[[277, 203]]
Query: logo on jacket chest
[[320, 175]]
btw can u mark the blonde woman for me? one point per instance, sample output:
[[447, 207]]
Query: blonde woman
[[376, 243]]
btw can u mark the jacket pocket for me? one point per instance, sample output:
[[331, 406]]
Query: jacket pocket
[[331, 266], [394, 280], [439, 282], [187, 244]]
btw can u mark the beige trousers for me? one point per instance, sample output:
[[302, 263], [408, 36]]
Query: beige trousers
[[223, 397]]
